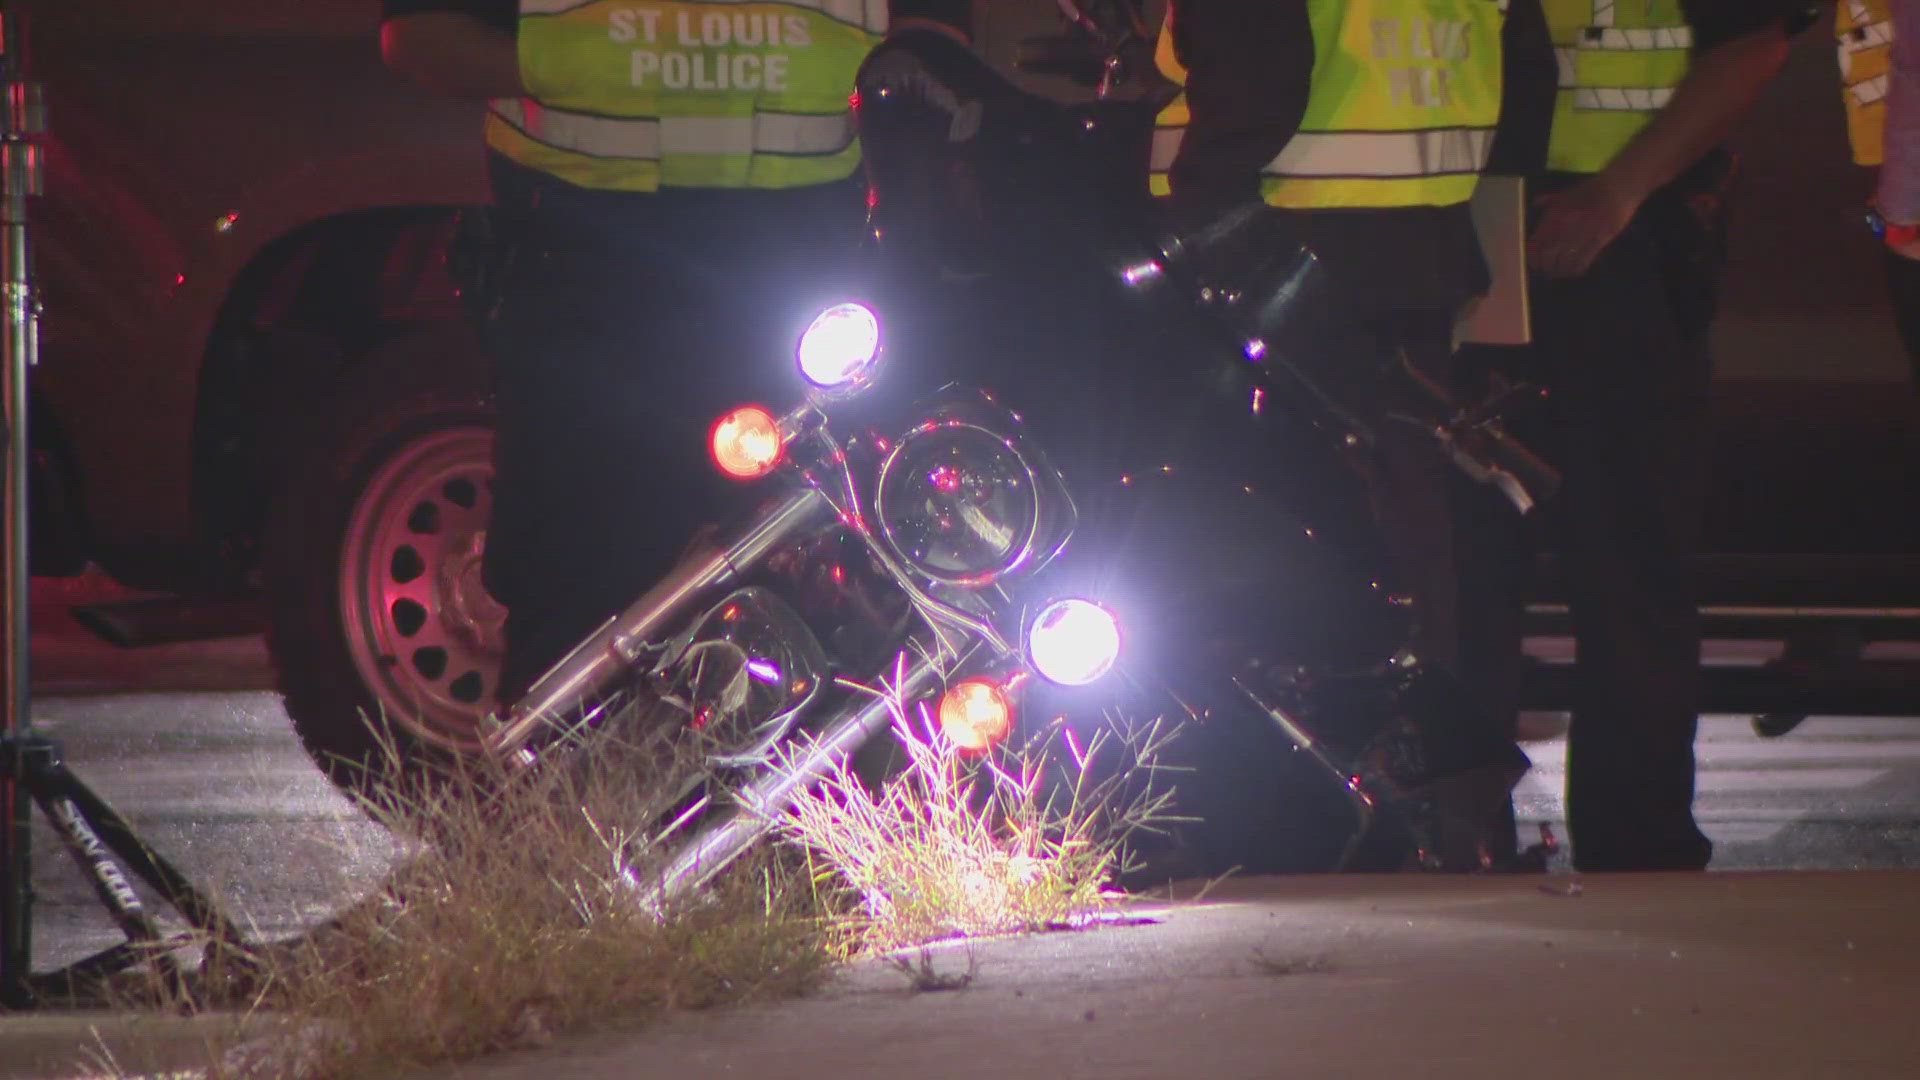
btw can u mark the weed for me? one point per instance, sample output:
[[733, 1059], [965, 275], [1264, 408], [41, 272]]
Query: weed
[[925, 978], [1290, 965], [953, 845], [516, 918]]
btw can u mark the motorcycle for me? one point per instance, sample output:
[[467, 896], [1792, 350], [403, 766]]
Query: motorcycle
[[1136, 497]]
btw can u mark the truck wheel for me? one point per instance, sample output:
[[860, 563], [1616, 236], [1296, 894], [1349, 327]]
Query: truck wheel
[[386, 644]]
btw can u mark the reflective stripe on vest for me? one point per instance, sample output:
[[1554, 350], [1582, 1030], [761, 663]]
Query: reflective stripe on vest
[[1629, 99], [651, 140], [1363, 154], [1863, 32], [688, 93], [1401, 112], [869, 13], [1620, 61]]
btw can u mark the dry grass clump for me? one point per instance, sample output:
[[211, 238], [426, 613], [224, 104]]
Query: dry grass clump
[[518, 914], [519, 919], [957, 845]]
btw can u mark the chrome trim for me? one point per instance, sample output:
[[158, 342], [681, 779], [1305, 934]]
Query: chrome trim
[[721, 838], [622, 639], [774, 728], [936, 611], [933, 428], [1348, 781]]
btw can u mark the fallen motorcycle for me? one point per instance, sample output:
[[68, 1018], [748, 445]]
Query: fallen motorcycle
[[1103, 483]]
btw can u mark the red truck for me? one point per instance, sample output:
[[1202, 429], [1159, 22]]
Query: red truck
[[257, 395]]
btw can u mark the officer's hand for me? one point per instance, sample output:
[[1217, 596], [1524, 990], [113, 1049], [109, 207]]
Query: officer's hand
[[1576, 225]]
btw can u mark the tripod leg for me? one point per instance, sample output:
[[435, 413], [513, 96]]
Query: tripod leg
[[144, 942], [200, 909], [31, 766], [94, 832], [16, 889]]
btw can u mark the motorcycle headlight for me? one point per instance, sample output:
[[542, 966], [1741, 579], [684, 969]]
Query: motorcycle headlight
[[958, 503], [741, 675], [838, 349], [1073, 642]]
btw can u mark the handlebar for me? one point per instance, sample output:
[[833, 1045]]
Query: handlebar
[[1472, 438], [1276, 284]]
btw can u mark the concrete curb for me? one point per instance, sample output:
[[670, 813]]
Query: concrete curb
[[101, 1043]]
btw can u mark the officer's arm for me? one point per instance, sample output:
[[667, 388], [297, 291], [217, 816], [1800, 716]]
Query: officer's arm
[[1249, 72], [1579, 223], [453, 53], [1706, 107], [1898, 191], [1530, 77]]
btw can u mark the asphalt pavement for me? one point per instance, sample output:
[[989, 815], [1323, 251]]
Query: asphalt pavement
[[1729, 973], [216, 781], [1740, 975], [1702, 975]]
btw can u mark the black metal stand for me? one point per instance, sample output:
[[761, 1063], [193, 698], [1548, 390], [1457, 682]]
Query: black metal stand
[[100, 841], [31, 769]]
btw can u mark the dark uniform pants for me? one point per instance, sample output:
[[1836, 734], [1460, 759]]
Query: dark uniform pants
[[1903, 288], [614, 354], [1624, 352]]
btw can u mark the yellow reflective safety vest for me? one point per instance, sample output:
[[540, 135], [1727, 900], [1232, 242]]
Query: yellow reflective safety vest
[[1863, 30], [630, 95], [1401, 110], [1620, 61]]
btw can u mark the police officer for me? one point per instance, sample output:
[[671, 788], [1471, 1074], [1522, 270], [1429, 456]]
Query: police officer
[[668, 175], [1624, 254], [1876, 74], [1863, 36], [1368, 123], [1897, 197]]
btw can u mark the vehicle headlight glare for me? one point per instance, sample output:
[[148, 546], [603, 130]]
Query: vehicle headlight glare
[[838, 348], [1073, 642]]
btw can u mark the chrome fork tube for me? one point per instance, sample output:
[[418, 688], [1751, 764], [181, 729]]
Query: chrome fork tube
[[1357, 796], [597, 661], [722, 837]]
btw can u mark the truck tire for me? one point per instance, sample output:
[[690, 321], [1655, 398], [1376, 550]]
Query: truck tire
[[385, 643]]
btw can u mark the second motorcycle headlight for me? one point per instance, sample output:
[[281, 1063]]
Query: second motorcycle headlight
[[958, 504], [1073, 642]]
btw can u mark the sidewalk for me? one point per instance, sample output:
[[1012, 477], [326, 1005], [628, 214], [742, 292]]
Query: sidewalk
[[1712, 975], [67, 659]]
